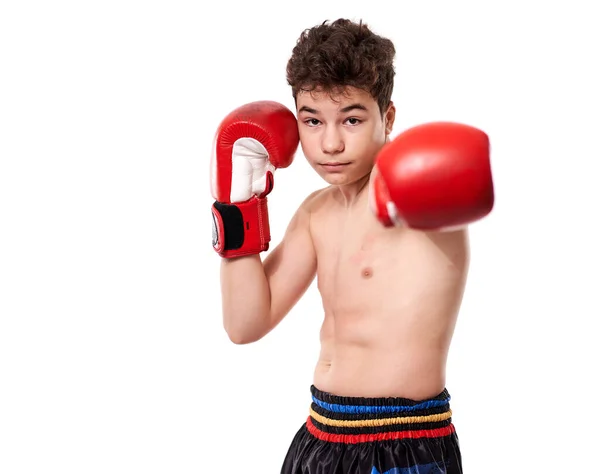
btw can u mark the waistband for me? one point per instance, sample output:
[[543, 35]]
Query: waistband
[[353, 420]]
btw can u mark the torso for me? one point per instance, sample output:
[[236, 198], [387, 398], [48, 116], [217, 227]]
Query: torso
[[391, 297]]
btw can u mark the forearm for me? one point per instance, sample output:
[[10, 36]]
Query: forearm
[[246, 299]]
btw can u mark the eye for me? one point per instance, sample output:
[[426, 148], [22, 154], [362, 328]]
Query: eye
[[353, 121], [312, 122]]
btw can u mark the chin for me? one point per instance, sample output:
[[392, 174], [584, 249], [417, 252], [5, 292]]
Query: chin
[[338, 179], [334, 178]]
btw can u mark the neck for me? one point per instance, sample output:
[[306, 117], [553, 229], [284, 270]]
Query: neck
[[351, 193]]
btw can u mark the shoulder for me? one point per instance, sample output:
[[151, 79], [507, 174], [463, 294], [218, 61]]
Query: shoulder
[[454, 244], [316, 200], [307, 209]]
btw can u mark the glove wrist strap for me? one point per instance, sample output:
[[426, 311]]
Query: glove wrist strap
[[241, 228]]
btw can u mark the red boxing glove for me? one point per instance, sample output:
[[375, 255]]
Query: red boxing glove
[[250, 143], [435, 176]]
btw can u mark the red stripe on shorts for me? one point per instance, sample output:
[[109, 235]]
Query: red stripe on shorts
[[365, 438]]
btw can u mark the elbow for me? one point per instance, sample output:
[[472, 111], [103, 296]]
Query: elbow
[[241, 339], [241, 336], [243, 329]]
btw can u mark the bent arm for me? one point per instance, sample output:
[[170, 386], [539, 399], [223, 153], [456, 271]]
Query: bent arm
[[257, 295]]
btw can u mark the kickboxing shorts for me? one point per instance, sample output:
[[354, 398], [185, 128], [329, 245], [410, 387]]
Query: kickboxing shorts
[[355, 435]]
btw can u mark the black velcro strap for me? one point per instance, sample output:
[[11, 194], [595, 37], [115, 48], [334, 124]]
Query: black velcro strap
[[233, 225]]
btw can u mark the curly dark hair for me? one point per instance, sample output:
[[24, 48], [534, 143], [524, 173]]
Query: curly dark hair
[[342, 53]]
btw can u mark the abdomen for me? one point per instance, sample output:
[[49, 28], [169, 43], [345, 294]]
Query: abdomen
[[389, 331]]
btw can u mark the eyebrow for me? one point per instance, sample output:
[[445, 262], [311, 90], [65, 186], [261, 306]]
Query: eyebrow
[[344, 110]]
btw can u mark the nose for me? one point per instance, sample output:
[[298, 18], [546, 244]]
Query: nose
[[332, 141]]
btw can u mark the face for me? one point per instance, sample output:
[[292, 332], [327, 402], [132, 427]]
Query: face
[[340, 135]]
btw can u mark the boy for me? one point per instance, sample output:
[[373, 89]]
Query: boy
[[386, 239]]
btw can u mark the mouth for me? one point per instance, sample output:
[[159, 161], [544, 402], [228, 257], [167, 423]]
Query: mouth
[[334, 166]]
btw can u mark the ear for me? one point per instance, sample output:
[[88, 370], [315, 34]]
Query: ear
[[388, 119]]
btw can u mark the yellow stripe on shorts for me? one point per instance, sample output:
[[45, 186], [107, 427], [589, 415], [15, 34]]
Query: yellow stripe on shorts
[[380, 421]]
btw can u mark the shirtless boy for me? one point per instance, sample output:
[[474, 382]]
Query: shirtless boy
[[386, 238]]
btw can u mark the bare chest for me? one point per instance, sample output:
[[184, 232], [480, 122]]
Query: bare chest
[[354, 252], [365, 267]]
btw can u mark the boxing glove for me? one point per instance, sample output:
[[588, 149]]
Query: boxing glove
[[250, 143], [434, 176]]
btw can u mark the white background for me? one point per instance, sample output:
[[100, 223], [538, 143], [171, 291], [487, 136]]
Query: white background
[[112, 354]]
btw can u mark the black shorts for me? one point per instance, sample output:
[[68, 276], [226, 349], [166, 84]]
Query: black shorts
[[348, 435]]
